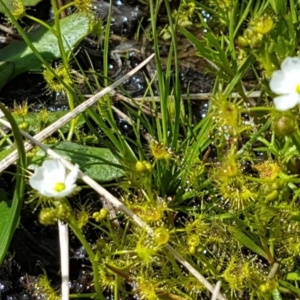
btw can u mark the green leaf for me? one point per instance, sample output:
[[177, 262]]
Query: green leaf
[[13, 211], [289, 286], [31, 2], [239, 75], [5, 208], [202, 48], [6, 71], [211, 50], [278, 6], [74, 28], [247, 242], [293, 276], [98, 163]]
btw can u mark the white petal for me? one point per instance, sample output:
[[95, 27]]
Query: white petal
[[282, 83], [72, 176], [290, 65], [56, 169], [286, 102], [36, 180], [47, 192]]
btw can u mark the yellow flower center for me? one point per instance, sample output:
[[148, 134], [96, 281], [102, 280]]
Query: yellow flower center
[[59, 186], [298, 88]]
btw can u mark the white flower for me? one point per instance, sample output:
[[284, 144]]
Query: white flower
[[286, 82], [51, 179]]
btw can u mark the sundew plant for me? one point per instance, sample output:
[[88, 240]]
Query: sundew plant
[[200, 198]]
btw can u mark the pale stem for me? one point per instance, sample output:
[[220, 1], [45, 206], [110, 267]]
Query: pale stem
[[63, 230]]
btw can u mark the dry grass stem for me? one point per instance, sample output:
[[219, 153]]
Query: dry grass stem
[[63, 230], [216, 292]]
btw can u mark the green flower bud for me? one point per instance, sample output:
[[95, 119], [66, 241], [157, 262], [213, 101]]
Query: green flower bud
[[285, 124], [140, 166], [242, 41], [100, 215], [62, 212], [24, 126], [272, 196], [47, 216]]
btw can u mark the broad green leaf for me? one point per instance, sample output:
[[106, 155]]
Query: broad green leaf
[[98, 163], [31, 2], [247, 242], [5, 207], [6, 217], [6, 70], [74, 28]]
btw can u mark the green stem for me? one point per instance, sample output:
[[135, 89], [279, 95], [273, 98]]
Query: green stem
[[64, 57], [42, 23], [253, 139], [266, 61], [87, 296], [58, 33], [177, 92], [116, 288], [175, 266], [65, 7], [257, 108], [70, 96], [161, 84], [296, 140], [73, 225], [106, 46], [264, 180]]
